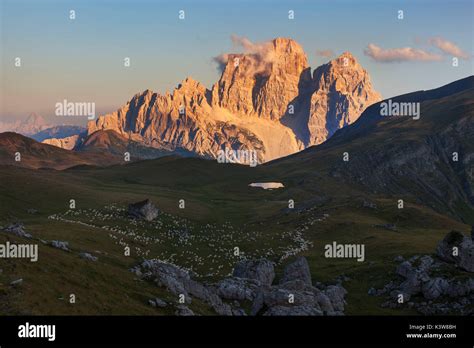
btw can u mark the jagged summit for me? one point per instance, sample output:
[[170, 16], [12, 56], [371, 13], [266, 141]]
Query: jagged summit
[[266, 100], [263, 80], [36, 119], [342, 91]]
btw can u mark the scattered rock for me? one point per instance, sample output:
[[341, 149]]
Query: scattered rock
[[60, 245], [88, 257], [157, 302], [17, 229], [424, 283], [32, 211], [143, 210], [17, 282]]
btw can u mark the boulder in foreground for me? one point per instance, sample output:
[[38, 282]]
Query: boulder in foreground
[[458, 249]]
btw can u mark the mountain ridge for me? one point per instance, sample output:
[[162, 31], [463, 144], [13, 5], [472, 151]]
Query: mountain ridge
[[429, 160], [265, 100]]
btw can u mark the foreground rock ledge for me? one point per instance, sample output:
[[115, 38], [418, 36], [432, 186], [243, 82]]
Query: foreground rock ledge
[[251, 283], [443, 284]]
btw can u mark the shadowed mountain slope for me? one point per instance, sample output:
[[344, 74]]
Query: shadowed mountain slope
[[430, 159]]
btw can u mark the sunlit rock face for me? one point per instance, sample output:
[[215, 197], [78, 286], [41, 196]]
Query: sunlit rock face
[[266, 100]]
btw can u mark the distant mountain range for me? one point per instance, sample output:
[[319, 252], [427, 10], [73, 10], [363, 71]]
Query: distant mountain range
[[267, 101], [59, 132], [36, 127], [429, 160], [33, 124]]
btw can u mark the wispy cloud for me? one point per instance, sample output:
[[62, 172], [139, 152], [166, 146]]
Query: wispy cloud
[[448, 47], [260, 56], [401, 54], [325, 53]]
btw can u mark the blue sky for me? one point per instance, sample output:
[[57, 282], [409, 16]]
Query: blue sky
[[82, 59]]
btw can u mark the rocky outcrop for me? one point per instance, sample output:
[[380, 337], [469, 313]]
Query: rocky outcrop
[[433, 286], [143, 210], [17, 229], [458, 249], [265, 100], [295, 294], [297, 270], [179, 282], [251, 283], [259, 270], [238, 289], [67, 143]]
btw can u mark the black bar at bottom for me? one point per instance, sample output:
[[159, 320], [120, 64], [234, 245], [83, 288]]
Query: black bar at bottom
[[241, 330]]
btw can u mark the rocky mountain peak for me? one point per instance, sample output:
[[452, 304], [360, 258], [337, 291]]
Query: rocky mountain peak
[[190, 88], [189, 84], [265, 100], [345, 59], [281, 56], [263, 80], [342, 91], [287, 57], [344, 68], [35, 119]]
